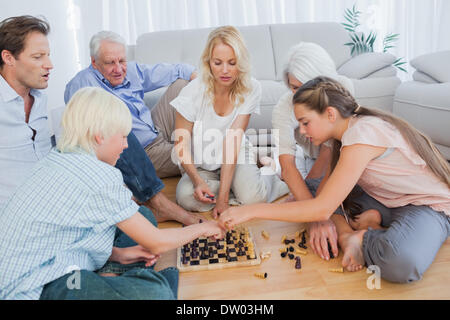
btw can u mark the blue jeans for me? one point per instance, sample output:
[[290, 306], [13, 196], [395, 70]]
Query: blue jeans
[[136, 282], [138, 171]]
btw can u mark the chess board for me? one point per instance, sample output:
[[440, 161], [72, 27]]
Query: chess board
[[236, 249]]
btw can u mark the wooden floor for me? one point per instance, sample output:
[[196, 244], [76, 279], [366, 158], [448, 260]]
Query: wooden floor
[[313, 281]]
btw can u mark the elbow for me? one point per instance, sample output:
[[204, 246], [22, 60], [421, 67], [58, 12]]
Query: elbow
[[324, 209]]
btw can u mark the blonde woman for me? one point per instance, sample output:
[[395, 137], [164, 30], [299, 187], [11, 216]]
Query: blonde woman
[[58, 230], [402, 175], [213, 112]]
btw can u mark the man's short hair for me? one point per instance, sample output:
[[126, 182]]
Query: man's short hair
[[96, 41], [14, 30]]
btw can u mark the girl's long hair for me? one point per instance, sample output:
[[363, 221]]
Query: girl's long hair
[[321, 92]]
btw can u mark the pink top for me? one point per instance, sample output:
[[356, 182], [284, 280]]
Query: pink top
[[398, 178]]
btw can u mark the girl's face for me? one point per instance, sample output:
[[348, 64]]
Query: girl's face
[[223, 65], [293, 83], [317, 127], [110, 149]]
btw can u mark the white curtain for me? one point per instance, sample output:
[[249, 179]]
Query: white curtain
[[422, 24]]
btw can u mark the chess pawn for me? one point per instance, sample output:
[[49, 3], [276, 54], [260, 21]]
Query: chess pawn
[[262, 275]]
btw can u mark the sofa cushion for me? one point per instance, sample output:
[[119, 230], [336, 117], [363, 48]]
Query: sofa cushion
[[172, 47], [365, 64], [330, 35], [187, 46], [436, 65], [423, 77], [259, 44], [376, 92], [426, 107]]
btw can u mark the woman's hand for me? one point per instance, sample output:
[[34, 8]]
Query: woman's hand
[[202, 193], [213, 229], [220, 207], [319, 233], [132, 255]]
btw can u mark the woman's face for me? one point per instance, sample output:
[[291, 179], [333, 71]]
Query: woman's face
[[223, 65], [293, 83]]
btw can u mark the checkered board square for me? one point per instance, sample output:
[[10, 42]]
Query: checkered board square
[[237, 249]]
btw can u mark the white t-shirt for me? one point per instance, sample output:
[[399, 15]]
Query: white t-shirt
[[210, 129]]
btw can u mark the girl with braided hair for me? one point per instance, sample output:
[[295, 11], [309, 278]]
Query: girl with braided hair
[[400, 173]]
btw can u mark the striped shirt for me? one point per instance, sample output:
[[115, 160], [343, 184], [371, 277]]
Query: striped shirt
[[63, 216]]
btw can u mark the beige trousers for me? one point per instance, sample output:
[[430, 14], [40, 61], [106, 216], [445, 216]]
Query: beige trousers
[[163, 115], [250, 185]]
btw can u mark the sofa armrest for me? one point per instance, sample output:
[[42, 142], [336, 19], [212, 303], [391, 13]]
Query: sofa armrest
[[365, 64], [435, 65]]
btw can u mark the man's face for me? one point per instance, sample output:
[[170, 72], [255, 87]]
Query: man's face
[[111, 62], [32, 66]]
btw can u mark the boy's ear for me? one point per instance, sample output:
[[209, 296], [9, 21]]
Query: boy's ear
[[99, 139]]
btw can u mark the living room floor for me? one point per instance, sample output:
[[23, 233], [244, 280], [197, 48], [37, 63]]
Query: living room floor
[[312, 281]]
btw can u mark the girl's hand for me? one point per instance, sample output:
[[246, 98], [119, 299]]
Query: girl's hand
[[233, 216], [319, 233], [201, 191], [221, 206], [213, 229], [132, 255]]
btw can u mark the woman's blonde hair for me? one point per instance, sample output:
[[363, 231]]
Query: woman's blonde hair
[[232, 37], [321, 92], [90, 112]]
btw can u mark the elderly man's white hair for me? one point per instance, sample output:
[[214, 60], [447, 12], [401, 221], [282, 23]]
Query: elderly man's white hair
[[308, 60], [96, 41]]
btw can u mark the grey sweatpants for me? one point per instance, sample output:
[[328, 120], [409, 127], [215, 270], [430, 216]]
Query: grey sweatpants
[[408, 246]]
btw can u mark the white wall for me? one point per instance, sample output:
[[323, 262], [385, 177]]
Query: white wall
[[61, 39], [423, 24]]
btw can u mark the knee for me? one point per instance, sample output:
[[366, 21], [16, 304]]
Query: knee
[[401, 266], [178, 85], [402, 269], [249, 195], [185, 198], [184, 195]]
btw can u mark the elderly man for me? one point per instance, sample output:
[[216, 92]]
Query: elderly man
[[129, 81], [24, 129]]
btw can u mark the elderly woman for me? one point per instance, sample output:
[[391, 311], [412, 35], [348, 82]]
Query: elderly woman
[[299, 159], [214, 110]]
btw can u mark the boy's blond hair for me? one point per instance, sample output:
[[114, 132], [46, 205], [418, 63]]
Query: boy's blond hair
[[90, 112]]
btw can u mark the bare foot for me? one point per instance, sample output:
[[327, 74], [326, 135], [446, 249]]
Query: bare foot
[[165, 210], [351, 245], [370, 218]]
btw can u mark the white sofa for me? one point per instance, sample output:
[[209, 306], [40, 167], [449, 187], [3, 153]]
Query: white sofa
[[425, 101], [373, 75]]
